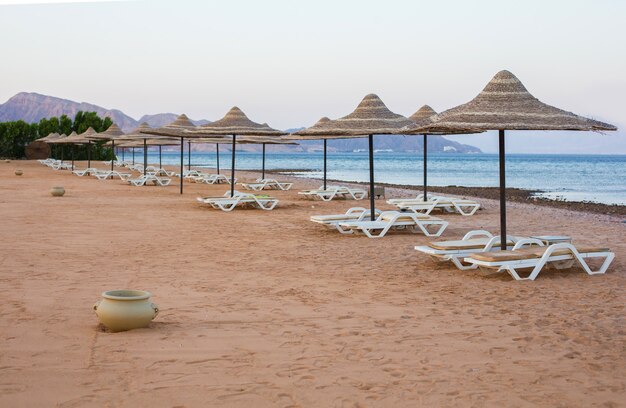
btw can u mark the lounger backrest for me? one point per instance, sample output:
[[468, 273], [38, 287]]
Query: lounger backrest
[[529, 253]]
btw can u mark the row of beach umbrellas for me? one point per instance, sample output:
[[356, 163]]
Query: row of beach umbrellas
[[504, 104]]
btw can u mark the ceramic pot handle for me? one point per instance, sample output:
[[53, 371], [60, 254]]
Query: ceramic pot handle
[[155, 308], [95, 306]]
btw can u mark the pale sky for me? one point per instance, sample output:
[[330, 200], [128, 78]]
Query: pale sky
[[288, 63]]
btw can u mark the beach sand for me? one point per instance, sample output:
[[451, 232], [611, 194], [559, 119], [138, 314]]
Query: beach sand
[[266, 309]]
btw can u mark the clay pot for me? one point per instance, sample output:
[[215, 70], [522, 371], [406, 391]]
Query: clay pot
[[121, 310], [57, 191], [18, 172]]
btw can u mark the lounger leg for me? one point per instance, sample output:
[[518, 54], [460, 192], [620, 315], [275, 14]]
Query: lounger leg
[[459, 264]]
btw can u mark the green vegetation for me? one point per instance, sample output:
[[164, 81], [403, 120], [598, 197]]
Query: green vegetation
[[15, 136]]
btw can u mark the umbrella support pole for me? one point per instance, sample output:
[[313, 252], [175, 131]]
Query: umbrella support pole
[[112, 158], [133, 149], [123, 152], [371, 154], [325, 145], [425, 167], [89, 155], [501, 149], [182, 162], [160, 160], [232, 169], [189, 155], [145, 157], [263, 168], [73, 148], [62, 150], [217, 150]]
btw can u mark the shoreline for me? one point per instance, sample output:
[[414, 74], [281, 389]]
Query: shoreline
[[517, 195]]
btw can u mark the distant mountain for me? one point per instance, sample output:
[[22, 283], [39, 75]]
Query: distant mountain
[[32, 107]]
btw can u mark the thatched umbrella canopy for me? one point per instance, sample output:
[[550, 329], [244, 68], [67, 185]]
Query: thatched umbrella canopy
[[324, 138], [421, 117], [235, 123], [264, 141], [371, 117], [85, 135], [175, 129], [57, 139], [49, 137], [73, 139], [112, 133], [505, 104], [160, 142]]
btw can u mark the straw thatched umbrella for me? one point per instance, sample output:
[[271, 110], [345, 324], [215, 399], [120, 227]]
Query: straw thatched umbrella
[[505, 104], [371, 117], [57, 139], [73, 139], [112, 133], [226, 140], [325, 138], [47, 139], [85, 135], [421, 115], [175, 129], [234, 123], [264, 141], [159, 142]]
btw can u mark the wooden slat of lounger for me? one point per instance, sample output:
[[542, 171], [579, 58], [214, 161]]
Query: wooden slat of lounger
[[335, 217], [475, 243], [528, 253], [411, 217]]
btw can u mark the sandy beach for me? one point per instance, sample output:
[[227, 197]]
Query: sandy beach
[[266, 309]]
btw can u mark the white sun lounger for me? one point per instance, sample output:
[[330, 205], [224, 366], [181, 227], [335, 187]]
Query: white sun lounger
[[59, 165], [148, 178], [156, 171], [451, 205], [211, 179], [242, 200], [267, 184], [559, 256], [84, 172], [456, 250], [103, 175], [332, 192], [333, 220], [396, 220]]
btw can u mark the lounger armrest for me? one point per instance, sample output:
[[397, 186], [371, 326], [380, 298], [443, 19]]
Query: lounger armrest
[[477, 233], [526, 242]]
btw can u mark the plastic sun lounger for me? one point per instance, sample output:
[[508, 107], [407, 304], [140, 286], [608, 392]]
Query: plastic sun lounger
[[267, 184], [451, 205], [240, 199], [147, 178], [84, 172], [333, 220], [103, 175], [212, 179], [60, 166], [455, 251], [332, 192], [397, 220], [559, 256]]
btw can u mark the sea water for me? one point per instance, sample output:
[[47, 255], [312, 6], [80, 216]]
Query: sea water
[[595, 178]]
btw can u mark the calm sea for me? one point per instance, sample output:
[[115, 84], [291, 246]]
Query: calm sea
[[598, 178]]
